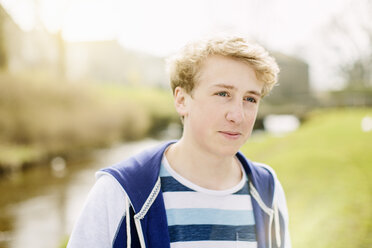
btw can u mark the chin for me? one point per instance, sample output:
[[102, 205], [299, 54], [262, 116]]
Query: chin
[[228, 151], [232, 148]]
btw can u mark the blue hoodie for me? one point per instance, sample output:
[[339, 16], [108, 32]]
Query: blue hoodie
[[144, 222]]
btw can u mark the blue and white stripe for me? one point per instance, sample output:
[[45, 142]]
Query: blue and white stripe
[[203, 218]]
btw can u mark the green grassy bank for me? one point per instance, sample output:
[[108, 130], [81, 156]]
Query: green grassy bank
[[326, 170], [43, 117]]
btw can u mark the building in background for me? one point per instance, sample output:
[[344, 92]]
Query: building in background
[[108, 61], [292, 94]]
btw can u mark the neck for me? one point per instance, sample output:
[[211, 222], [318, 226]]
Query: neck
[[203, 168]]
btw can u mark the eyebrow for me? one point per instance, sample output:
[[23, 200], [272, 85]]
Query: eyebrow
[[231, 87]]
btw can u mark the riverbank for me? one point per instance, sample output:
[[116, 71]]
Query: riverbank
[[43, 203], [43, 118]]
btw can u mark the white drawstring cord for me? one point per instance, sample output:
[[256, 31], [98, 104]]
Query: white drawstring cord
[[263, 206], [277, 226], [127, 220], [139, 231]]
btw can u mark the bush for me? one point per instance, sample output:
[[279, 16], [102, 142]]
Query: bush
[[41, 117]]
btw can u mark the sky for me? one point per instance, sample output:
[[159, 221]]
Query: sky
[[161, 27]]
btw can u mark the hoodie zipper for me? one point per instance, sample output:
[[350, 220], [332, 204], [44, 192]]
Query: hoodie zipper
[[141, 214]]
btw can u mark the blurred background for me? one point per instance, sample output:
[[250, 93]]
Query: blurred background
[[83, 85]]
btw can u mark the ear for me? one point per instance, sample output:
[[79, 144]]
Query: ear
[[180, 101]]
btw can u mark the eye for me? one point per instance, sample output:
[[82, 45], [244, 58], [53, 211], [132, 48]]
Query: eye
[[250, 99], [222, 93]]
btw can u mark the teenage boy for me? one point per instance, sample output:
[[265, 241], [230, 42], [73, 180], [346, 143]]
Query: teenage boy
[[199, 191]]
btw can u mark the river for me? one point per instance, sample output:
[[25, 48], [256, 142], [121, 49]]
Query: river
[[39, 207]]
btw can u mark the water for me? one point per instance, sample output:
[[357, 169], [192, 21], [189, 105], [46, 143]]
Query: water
[[38, 208]]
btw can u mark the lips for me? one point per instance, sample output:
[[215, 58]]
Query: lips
[[230, 134]]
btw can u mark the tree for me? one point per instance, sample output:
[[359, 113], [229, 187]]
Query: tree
[[3, 58], [348, 38]]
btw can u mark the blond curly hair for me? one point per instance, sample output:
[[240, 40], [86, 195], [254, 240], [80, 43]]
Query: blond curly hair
[[183, 67]]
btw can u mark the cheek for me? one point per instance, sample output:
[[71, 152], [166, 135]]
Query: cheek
[[205, 110], [202, 118], [251, 118]]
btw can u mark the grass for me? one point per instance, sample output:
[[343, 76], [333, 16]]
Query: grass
[[325, 168]]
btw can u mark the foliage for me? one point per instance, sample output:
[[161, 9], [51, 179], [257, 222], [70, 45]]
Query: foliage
[[348, 40], [41, 116], [157, 103], [3, 55], [325, 170]]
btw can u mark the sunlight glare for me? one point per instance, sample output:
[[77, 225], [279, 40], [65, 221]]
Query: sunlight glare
[[91, 20]]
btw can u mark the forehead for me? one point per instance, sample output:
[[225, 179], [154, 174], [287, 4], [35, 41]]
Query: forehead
[[217, 69]]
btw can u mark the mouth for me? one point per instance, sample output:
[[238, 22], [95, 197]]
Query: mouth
[[231, 134]]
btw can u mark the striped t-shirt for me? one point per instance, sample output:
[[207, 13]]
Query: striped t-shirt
[[204, 218]]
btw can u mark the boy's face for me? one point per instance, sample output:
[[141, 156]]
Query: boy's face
[[220, 113]]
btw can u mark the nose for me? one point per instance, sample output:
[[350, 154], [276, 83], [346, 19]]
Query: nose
[[235, 113]]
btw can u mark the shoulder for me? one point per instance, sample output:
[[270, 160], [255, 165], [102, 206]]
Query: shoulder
[[106, 194], [104, 183], [142, 166], [258, 173], [279, 195], [101, 216], [265, 169], [138, 175]]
